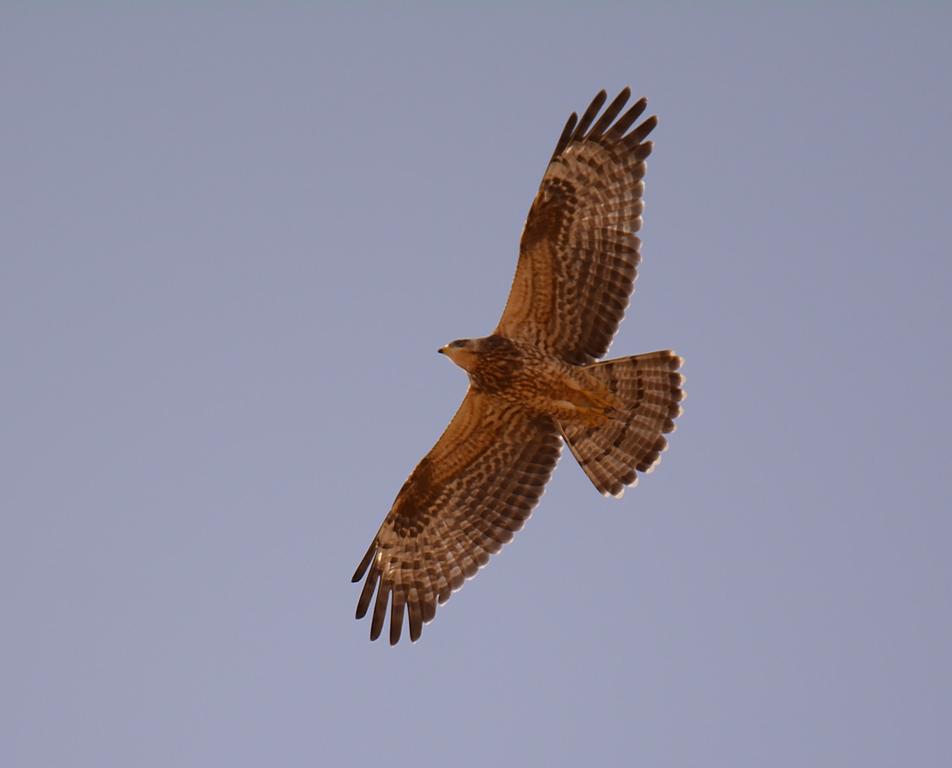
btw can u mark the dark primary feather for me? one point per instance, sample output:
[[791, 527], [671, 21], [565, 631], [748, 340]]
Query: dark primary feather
[[589, 115], [566, 136]]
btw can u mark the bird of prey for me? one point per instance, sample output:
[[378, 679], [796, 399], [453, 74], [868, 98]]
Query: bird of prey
[[534, 383]]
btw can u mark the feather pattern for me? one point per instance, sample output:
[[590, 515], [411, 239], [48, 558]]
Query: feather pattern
[[465, 499], [612, 453], [579, 254]]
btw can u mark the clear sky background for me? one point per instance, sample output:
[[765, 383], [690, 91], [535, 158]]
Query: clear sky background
[[230, 245]]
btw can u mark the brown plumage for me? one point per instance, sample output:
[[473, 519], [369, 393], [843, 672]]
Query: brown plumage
[[534, 382]]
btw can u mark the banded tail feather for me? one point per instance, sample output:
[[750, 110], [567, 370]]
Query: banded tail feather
[[631, 441]]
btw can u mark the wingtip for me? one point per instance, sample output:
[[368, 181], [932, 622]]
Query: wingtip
[[394, 633], [364, 562], [589, 115], [646, 127]]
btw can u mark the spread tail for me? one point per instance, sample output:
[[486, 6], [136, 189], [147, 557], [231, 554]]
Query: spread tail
[[632, 438]]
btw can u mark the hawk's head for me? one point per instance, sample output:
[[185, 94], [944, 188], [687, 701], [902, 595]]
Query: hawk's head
[[463, 352]]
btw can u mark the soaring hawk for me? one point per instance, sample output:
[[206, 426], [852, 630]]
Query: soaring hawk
[[534, 382]]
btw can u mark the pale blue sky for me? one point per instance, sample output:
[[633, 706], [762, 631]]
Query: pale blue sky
[[230, 244]]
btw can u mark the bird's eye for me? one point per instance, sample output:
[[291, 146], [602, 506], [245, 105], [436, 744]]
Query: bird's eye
[[457, 344]]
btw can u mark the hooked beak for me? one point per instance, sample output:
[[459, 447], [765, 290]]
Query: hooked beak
[[442, 350]]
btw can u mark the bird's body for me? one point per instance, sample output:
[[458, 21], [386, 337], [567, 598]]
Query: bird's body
[[535, 383], [520, 374]]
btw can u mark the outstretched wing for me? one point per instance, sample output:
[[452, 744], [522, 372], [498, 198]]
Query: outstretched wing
[[579, 254], [464, 500]]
